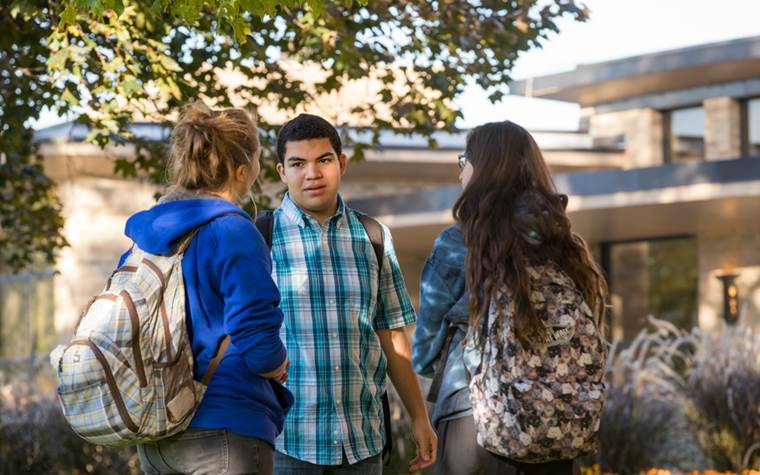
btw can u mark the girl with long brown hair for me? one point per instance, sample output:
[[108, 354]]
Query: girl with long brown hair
[[536, 306]]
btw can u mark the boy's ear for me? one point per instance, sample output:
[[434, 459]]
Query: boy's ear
[[281, 170], [343, 161]]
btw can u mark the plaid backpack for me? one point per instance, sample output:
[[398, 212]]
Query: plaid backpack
[[542, 403], [127, 375]]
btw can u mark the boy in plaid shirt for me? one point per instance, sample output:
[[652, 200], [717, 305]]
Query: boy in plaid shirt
[[345, 315]]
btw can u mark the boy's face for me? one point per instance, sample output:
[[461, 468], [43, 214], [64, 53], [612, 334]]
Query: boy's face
[[312, 170]]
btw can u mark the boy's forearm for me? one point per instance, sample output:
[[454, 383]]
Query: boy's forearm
[[399, 355]]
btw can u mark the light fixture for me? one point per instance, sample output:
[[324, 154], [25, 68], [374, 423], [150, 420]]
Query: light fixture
[[730, 297]]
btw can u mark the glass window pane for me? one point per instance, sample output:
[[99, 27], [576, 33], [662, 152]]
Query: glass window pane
[[656, 278], [687, 134], [753, 123]]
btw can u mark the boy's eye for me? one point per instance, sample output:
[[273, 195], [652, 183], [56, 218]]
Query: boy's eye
[[326, 160]]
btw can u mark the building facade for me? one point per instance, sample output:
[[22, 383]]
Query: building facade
[[674, 217], [663, 178]]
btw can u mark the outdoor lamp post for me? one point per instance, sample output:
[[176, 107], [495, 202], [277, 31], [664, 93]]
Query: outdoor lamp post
[[730, 297]]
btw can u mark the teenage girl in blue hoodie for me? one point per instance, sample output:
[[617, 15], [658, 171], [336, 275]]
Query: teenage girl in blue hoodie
[[214, 161]]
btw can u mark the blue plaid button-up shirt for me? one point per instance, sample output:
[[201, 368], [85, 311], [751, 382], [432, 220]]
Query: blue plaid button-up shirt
[[333, 304]]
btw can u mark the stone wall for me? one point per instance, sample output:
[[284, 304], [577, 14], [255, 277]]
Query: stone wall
[[722, 128], [643, 132], [95, 210]]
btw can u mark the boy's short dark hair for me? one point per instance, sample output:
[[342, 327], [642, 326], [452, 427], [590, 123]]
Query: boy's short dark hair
[[306, 127]]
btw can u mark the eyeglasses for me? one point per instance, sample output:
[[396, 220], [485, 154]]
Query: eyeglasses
[[462, 160]]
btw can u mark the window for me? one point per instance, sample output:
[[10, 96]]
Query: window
[[685, 135], [752, 135], [655, 277]]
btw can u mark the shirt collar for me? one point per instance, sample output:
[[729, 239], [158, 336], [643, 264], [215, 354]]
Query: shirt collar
[[299, 217]]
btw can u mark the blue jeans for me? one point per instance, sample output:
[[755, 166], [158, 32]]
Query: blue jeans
[[206, 452], [286, 465]]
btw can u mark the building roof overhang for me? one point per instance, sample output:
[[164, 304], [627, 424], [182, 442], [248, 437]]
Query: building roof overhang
[[396, 156], [679, 69], [611, 205]]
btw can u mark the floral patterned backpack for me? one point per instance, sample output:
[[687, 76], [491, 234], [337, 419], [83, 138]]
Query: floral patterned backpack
[[542, 403]]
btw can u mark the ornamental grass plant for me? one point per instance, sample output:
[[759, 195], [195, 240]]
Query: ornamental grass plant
[[683, 400]]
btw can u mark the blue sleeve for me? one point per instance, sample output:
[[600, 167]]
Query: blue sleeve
[[252, 316], [124, 257], [443, 302]]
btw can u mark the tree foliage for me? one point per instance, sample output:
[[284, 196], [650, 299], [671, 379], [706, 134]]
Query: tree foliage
[[108, 62]]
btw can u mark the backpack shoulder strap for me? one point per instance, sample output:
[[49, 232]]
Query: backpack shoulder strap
[[265, 223], [214, 363], [222, 348], [375, 233]]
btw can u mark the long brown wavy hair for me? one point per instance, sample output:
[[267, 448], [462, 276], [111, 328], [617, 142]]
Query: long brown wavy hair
[[512, 216]]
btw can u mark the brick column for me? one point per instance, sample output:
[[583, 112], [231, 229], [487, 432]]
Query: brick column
[[643, 133], [722, 128], [644, 141]]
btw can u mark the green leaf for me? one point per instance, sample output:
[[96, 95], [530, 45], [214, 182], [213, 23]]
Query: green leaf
[[96, 7], [68, 16], [130, 87], [58, 60], [316, 6], [242, 29], [269, 7], [69, 98], [115, 5]]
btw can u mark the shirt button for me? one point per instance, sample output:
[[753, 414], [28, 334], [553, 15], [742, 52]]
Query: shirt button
[[335, 442], [335, 335], [337, 368]]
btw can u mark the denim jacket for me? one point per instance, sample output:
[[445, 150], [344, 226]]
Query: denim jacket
[[443, 303]]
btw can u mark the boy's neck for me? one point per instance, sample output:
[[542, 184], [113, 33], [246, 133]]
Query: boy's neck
[[324, 216], [321, 217]]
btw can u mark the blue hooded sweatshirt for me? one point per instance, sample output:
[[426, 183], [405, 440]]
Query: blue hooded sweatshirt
[[229, 291]]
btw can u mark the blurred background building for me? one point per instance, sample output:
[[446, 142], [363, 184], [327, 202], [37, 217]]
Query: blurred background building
[[663, 175]]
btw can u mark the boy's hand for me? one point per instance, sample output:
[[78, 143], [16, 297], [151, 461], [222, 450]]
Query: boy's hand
[[426, 441]]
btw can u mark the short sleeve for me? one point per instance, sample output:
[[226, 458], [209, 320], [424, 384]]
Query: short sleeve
[[394, 309]]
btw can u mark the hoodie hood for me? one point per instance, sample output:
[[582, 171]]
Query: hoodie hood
[[159, 229]]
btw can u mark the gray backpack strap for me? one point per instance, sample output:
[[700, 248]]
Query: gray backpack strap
[[375, 233], [376, 237], [443, 356], [265, 223]]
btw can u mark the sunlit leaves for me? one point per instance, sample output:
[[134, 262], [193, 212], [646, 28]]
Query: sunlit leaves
[[111, 62]]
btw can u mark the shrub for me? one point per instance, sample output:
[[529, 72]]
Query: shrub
[[722, 386], [35, 438], [683, 400], [644, 422]]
